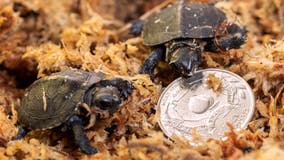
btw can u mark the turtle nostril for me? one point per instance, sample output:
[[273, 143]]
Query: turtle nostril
[[116, 101]]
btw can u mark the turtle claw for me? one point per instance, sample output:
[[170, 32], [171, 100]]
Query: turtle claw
[[151, 62], [235, 38], [81, 139], [89, 150], [125, 88]]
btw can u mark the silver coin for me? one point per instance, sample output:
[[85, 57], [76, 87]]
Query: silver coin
[[192, 103]]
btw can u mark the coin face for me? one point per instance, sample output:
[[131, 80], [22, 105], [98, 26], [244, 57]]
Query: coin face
[[192, 103]]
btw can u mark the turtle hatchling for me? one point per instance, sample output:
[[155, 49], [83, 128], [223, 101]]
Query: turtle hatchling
[[58, 100], [180, 33]]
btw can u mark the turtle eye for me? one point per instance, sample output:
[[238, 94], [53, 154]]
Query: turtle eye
[[109, 102], [107, 98]]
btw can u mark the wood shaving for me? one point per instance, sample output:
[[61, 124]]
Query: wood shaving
[[38, 38], [214, 83]]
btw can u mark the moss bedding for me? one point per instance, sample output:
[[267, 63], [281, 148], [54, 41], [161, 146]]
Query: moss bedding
[[38, 38]]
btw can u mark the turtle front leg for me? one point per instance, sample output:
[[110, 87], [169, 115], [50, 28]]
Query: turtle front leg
[[151, 62], [235, 37], [81, 139]]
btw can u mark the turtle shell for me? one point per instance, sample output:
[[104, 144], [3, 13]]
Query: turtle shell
[[182, 20], [52, 100]]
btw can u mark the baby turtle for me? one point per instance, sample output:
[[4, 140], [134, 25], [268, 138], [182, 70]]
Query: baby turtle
[[58, 100], [178, 35]]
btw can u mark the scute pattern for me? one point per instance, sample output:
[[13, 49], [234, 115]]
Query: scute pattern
[[182, 20], [50, 101]]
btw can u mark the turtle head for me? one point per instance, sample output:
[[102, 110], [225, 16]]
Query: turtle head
[[107, 98], [185, 60]]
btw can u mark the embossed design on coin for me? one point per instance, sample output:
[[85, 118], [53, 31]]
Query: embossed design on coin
[[188, 104]]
